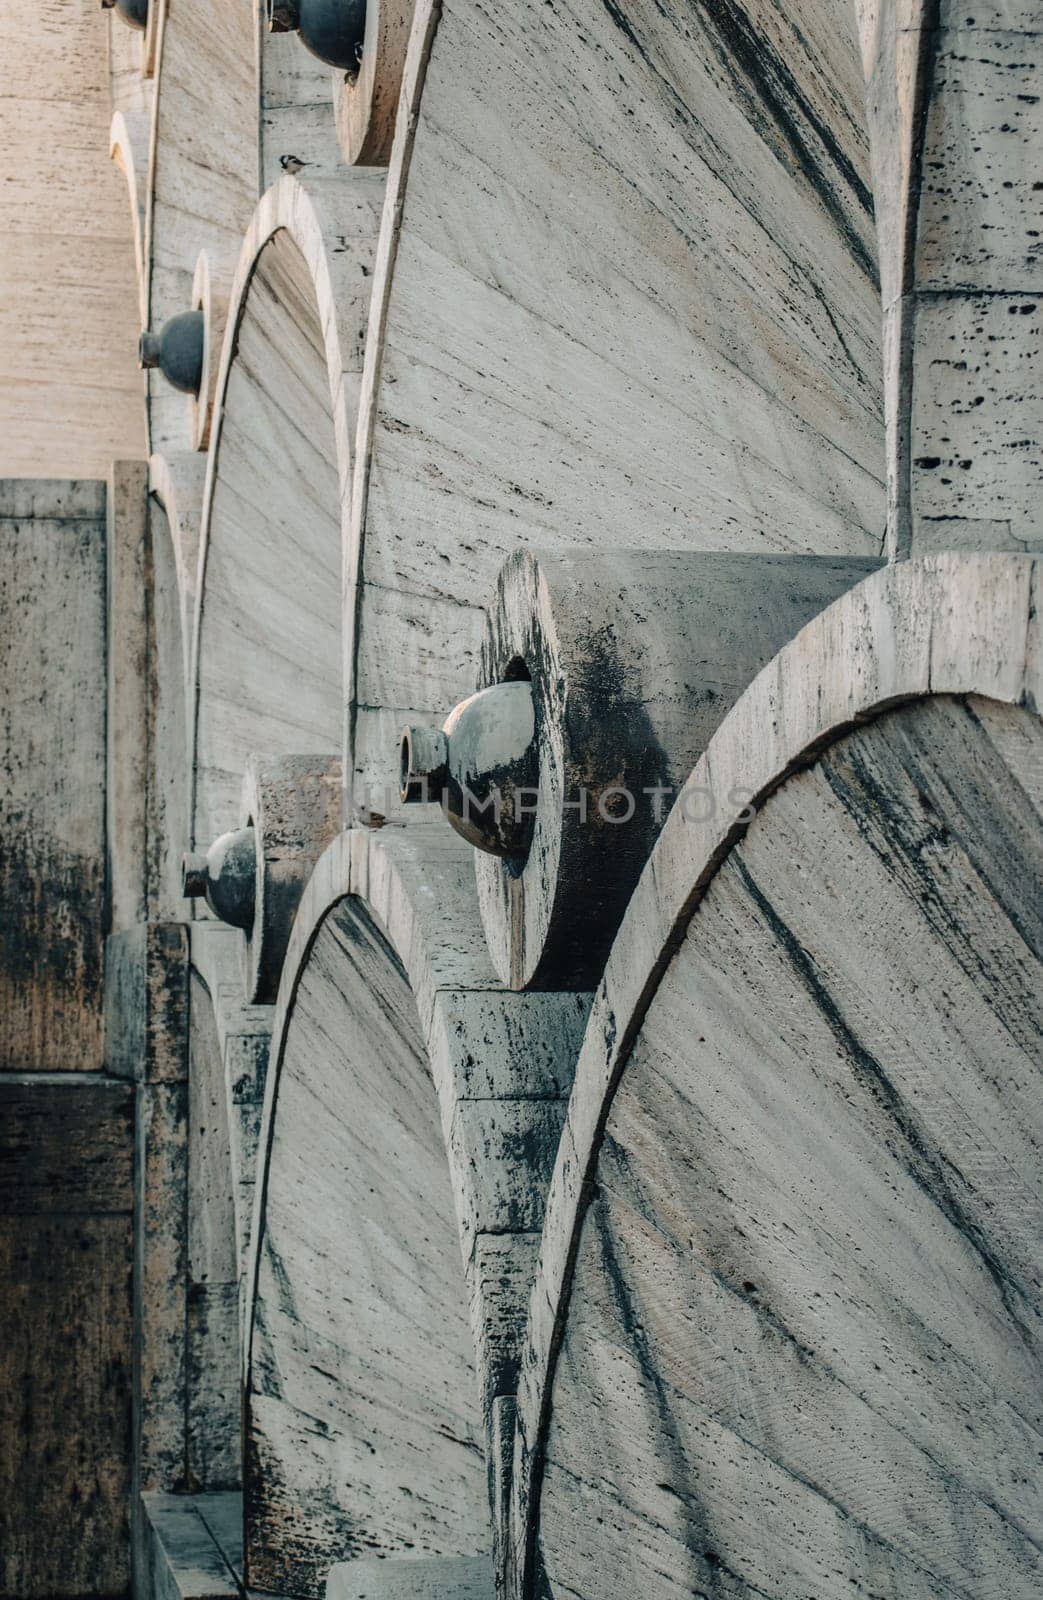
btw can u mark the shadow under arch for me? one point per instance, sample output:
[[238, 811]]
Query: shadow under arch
[[400, 1181], [363, 1429], [266, 672], [790, 1224]]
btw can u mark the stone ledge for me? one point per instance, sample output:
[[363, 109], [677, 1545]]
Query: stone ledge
[[194, 1546], [437, 1578]]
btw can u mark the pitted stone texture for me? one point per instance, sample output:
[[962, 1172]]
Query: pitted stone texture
[[52, 773], [977, 422], [981, 207], [956, 125]]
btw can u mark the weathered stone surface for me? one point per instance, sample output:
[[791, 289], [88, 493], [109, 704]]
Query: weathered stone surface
[[490, 1045], [981, 216], [977, 421], [805, 1273], [914, 901], [127, 737], [187, 1562], [66, 1197], [503, 1153], [146, 1042], [243, 1036], [63, 1150], [204, 176], [167, 790], [147, 1003], [298, 130], [623, 295], [367, 101], [501, 1062], [955, 132], [223, 1515], [52, 774], [214, 1433], [502, 1269], [161, 1285], [271, 539], [293, 804]]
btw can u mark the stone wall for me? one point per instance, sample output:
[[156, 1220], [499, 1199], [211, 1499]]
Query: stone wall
[[70, 396], [66, 1126]]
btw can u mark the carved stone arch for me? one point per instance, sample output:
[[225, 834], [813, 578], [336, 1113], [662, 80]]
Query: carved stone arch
[[633, 256], [364, 1432], [267, 673], [400, 1183], [785, 1331]]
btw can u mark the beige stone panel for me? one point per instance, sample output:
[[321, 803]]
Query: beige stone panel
[[70, 394]]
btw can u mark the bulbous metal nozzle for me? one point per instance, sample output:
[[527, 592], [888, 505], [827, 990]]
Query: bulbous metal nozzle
[[481, 766], [133, 12], [332, 30], [226, 877], [177, 350]]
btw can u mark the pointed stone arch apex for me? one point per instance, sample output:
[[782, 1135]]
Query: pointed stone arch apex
[[280, 429]]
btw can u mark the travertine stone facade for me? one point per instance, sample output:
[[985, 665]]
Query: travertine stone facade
[[641, 1199]]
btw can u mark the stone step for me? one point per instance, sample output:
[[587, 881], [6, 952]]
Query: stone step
[[437, 1578], [195, 1545]]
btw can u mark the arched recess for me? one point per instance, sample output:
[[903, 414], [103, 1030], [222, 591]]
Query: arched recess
[[412, 1110], [626, 296], [203, 169], [267, 671], [364, 1410], [785, 1336]]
